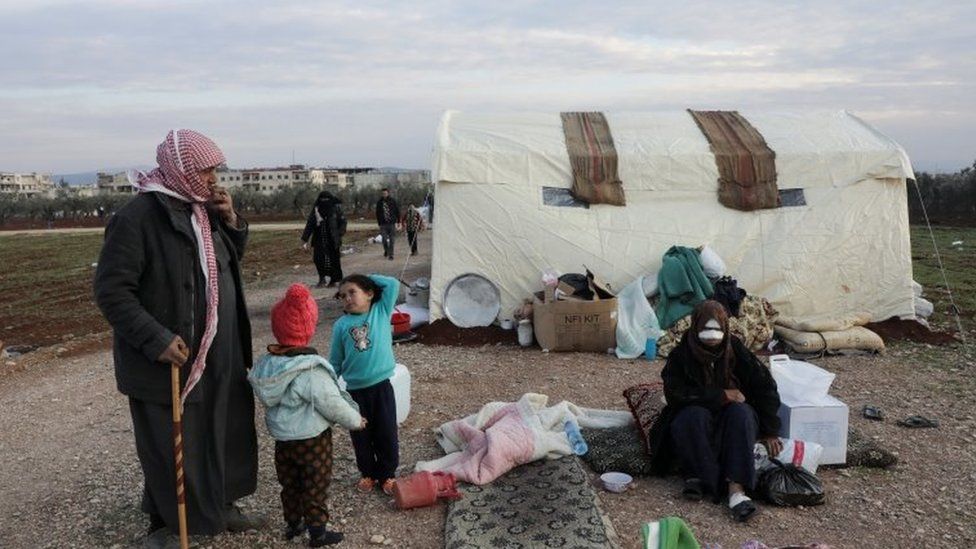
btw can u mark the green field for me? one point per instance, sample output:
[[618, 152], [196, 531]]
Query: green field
[[45, 281], [960, 271]]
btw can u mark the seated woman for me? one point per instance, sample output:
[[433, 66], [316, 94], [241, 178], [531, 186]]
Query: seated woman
[[720, 399]]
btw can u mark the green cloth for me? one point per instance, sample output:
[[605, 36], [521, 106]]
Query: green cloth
[[682, 285], [671, 533]]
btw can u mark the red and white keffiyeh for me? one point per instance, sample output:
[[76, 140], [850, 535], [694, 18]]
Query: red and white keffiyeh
[[180, 157]]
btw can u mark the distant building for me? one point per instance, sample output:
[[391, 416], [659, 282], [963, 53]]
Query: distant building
[[269, 180], [87, 190], [26, 184], [113, 183], [390, 178]]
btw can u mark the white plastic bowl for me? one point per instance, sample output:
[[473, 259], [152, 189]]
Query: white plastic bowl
[[616, 482]]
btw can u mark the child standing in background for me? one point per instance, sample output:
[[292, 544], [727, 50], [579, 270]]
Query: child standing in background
[[362, 353], [300, 392]]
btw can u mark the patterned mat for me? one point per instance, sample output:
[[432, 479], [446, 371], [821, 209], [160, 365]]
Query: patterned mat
[[547, 503]]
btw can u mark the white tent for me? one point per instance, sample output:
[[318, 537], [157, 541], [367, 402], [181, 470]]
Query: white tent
[[845, 252]]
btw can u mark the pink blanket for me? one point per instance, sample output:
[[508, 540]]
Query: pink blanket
[[505, 442]]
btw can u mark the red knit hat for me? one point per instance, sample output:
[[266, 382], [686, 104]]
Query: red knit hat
[[293, 319]]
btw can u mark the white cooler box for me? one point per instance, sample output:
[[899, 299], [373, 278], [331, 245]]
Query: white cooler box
[[401, 391], [823, 422]]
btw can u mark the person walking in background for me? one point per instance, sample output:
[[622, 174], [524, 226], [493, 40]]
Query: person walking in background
[[302, 400], [325, 227], [387, 217], [169, 283], [362, 354], [414, 223]]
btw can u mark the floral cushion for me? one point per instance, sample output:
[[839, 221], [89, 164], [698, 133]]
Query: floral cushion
[[645, 400]]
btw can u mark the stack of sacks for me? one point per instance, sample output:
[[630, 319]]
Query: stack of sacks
[[835, 335]]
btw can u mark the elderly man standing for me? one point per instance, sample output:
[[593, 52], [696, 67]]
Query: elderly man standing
[[169, 283], [387, 217]]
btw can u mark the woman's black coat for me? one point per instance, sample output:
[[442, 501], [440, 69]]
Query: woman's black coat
[[684, 385]]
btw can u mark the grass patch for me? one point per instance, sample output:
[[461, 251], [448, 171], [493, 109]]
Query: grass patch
[[960, 272]]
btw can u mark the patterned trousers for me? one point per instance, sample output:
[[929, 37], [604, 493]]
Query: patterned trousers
[[304, 470]]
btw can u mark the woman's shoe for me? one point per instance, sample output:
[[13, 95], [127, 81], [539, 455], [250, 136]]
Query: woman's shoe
[[365, 484], [743, 511], [388, 486], [693, 490]]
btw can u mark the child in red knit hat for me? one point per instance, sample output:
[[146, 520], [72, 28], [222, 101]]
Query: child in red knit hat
[[302, 400]]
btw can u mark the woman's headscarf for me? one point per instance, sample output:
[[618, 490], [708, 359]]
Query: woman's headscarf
[[323, 204], [721, 355], [180, 156]]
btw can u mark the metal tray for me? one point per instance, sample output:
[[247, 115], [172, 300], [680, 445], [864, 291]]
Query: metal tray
[[472, 300]]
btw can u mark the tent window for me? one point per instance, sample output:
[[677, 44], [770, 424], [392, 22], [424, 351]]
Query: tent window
[[791, 197], [560, 197]]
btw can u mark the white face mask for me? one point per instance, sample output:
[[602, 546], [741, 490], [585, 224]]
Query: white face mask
[[712, 333]]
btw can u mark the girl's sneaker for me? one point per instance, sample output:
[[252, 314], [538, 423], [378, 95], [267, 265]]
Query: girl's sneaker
[[365, 484], [388, 486]]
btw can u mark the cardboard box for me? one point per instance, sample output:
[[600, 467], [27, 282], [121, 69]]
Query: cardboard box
[[576, 325], [823, 422]]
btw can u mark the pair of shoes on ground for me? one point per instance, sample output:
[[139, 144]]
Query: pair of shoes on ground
[[367, 484]]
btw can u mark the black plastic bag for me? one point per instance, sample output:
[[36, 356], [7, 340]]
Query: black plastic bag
[[788, 485]]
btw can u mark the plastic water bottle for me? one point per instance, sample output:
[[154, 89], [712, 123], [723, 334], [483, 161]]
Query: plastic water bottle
[[650, 350]]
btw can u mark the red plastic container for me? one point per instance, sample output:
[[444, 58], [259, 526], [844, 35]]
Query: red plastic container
[[424, 488], [400, 322]]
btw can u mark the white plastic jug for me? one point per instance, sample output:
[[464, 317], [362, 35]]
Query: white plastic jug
[[525, 335], [401, 391]]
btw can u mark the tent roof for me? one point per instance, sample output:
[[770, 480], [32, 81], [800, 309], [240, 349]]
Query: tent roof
[[663, 151]]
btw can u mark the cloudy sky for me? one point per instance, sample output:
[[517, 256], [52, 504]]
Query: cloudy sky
[[96, 84]]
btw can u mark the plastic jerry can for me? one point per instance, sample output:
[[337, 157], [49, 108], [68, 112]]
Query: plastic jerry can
[[424, 488]]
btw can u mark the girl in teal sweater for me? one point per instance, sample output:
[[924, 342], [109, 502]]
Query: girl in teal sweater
[[362, 354]]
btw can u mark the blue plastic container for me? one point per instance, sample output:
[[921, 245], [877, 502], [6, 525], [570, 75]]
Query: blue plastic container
[[650, 350]]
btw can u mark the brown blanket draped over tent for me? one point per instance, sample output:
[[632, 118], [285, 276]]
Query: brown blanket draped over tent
[[746, 164], [593, 158]]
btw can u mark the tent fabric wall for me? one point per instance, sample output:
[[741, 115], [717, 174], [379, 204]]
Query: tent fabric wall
[[845, 252]]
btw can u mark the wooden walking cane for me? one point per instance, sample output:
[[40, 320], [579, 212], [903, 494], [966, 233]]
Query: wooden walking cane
[[178, 451]]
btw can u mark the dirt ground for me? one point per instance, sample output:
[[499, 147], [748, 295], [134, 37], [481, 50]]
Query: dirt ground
[[70, 476]]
